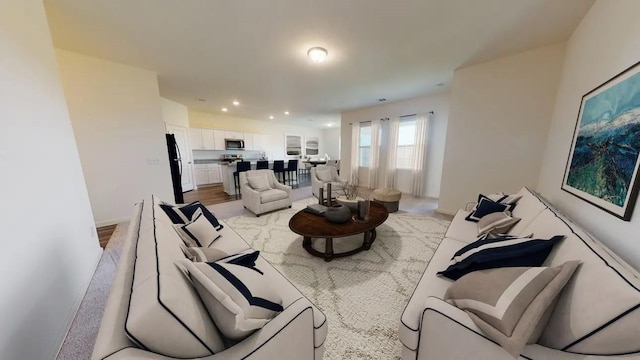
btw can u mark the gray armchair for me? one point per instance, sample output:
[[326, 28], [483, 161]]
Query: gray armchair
[[264, 196], [318, 182]]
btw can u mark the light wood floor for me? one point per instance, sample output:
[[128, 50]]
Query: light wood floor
[[104, 234]]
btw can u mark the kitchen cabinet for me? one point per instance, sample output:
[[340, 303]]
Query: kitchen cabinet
[[214, 174], [234, 135], [207, 174], [218, 140], [248, 142], [201, 139]]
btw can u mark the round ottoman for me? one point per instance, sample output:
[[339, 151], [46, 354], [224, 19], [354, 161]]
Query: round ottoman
[[388, 197]]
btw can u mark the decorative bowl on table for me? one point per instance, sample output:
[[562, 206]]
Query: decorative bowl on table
[[337, 214]]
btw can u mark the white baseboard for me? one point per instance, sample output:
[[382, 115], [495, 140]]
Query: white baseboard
[[111, 222], [77, 301], [445, 211]]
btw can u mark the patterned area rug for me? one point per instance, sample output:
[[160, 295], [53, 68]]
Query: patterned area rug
[[362, 295]]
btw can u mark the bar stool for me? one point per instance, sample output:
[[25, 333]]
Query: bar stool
[[278, 168], [241, 166], [292, 168], [262, 164]]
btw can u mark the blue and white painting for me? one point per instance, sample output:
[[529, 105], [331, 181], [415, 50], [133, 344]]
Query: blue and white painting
[[603, 161]]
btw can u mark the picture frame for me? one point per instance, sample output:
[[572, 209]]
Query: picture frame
[[602, 165], [293, 145], [311, 145]]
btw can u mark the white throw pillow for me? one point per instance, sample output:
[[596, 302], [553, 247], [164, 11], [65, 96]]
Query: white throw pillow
[[324, 175], [259, 183], [238, 297], [199, 232]]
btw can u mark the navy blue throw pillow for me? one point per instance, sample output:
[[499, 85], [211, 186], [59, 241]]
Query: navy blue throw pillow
[[183, 215], [487, 206], [499, 252]]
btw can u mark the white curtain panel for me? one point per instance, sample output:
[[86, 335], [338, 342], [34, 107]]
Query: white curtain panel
[[375, 154], [355, 148], [419, 156], [392, 150]]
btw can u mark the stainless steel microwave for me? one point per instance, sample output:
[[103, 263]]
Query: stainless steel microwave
[[233, 144]]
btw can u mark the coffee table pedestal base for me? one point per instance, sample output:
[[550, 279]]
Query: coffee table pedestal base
[[328, 254]]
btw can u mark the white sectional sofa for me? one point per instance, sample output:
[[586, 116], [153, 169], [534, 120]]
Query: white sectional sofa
[[154, 312], [597, 315]]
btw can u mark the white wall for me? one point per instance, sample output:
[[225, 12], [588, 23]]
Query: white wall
[[439, 104], [331, 143], [498, 124], [605, 43], [174, 113], [49, 243], [117, 119]]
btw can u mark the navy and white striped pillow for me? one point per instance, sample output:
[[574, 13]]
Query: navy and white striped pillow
[[237, 294], [200, 232], [184, 214], [504, 251]]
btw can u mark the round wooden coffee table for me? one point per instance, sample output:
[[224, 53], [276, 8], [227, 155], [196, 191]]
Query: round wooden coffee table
[[316, 226]]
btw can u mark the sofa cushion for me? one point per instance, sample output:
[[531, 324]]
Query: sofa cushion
[[508, 303], [259, 183], [273, 195], [528, 207], [599, 310], [324, 175], [489, 253], [198, 232], [461, 229], [239, 297], [166, 315], [429, 285]]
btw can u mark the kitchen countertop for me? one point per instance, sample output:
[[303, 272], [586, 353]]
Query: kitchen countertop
[[206, 161]]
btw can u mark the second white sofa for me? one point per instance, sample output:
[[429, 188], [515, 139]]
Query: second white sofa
[[597, 315]]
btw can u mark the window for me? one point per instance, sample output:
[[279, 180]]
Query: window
[[406, 144], [365, 145]]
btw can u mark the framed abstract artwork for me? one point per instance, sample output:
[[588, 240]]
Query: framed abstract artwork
[[602, 167], [293, 145], [311, 145]]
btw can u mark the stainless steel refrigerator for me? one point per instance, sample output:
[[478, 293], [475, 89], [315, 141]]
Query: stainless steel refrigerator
[[175, 163]]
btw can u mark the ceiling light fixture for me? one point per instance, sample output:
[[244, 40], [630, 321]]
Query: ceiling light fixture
[[224, 109], [286, 113], [270, 117], [317, 54], [236, 103]]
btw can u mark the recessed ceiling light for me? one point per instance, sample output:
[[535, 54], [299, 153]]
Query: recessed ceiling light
[[317, 54], [382, 99], [329, 124], [224, 109], [236, 103], [286, 113], [270, 117]]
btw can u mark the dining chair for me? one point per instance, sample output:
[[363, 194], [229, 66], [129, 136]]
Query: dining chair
[[241, 166], [278, 168], [262, 165], [292, 169]]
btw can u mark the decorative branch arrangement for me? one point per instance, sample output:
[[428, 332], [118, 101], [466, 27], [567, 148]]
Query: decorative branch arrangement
[[350, 187]]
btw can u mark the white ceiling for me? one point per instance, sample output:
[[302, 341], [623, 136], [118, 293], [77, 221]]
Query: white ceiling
[[255, 50]]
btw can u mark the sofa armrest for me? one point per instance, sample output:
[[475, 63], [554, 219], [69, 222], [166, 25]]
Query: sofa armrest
[[288, 336], [250, 197], [447, 332], [286, 188]]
